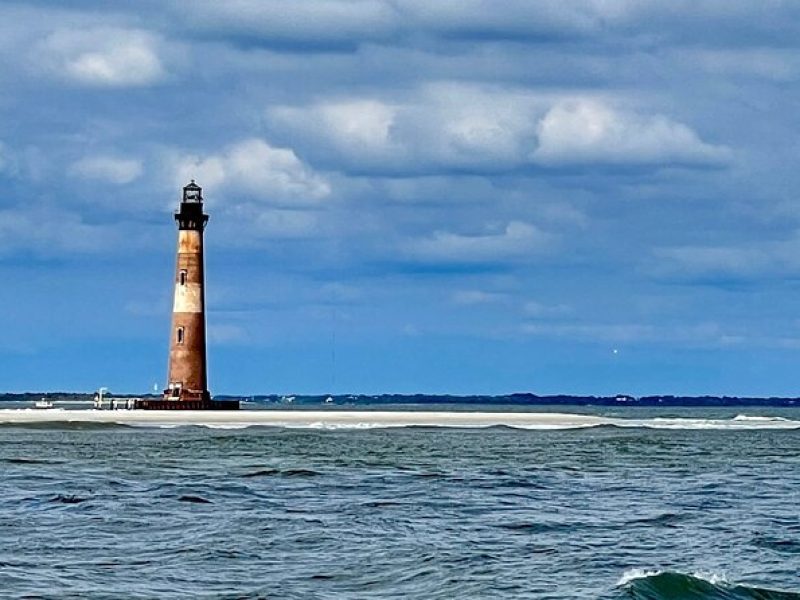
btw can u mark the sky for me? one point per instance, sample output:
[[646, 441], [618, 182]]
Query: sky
[[457, 196]]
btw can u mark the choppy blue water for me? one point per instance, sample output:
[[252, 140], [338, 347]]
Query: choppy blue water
[[90, 511]]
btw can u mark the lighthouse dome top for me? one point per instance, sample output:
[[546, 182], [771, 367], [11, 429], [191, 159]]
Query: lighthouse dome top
[[192, 192]]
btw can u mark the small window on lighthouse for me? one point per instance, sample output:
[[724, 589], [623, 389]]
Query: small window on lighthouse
[[183, 277], [180, 335]]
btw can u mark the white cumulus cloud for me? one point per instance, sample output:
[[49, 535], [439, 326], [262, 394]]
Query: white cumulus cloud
[[363, 123], [590, 131], [105, 57], [446, 126], [257, 192], [256, 170], [440, 127], [107, 168]]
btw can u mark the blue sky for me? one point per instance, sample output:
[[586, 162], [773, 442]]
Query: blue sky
[[567, 196]]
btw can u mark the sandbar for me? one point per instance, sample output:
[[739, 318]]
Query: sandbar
[[305, 418]]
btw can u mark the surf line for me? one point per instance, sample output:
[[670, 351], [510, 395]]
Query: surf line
[[365, 419]]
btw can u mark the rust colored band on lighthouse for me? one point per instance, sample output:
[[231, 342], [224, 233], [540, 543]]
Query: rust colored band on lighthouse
[[187, 355]]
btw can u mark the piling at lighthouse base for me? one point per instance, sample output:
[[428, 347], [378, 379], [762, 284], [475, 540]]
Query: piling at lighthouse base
[[187, 404], [183, 399]]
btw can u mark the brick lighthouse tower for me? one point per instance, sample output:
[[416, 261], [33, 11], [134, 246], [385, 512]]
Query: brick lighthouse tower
[[187, 379]]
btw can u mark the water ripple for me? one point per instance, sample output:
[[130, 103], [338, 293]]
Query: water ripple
[[417, 513]]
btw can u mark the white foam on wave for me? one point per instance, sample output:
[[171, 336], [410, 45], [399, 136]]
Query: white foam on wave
[[363, 426], [633, 574], [638, 573], [758, 419], [671, 424], [711, 577], [224, 425], [333, 426], [717, 424]]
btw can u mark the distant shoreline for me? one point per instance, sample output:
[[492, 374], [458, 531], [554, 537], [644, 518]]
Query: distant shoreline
[[519, 399]]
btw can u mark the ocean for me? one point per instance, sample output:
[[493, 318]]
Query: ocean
[[685, 503]]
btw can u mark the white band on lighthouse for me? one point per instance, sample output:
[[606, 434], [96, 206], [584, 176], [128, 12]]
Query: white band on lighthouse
[[188, 288], [188, 298]]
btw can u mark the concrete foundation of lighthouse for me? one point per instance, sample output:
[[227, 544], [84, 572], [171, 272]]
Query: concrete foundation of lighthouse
[[187, 378]]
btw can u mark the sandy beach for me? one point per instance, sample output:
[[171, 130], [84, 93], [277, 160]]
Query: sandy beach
[[305, 418], [368, 419]]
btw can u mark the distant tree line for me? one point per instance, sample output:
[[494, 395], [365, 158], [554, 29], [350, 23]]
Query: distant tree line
[[520, 399]]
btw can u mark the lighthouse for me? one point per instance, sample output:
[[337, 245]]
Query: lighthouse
[[187, 378], [187, 375]]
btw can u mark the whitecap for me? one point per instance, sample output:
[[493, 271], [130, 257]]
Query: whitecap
[[639, 573], [632, 574], [711, 577]]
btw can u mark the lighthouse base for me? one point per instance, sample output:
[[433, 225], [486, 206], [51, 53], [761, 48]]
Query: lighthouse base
[[202, 403]]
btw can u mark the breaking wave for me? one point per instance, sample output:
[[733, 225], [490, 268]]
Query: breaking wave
[[737, 422], [640, 584]]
